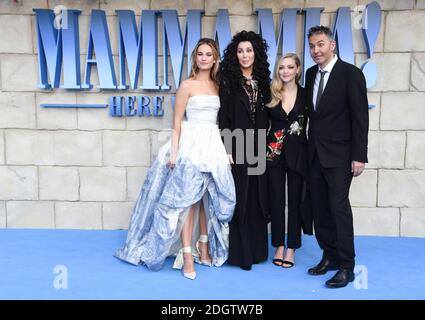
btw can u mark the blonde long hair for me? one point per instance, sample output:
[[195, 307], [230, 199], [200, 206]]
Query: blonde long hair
[[276, 86], [216, 56]]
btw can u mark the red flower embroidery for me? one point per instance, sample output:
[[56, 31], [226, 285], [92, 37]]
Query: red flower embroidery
[[278, 134], [275, 147]]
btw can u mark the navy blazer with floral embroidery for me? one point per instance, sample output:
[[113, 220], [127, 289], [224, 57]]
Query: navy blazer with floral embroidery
[[279, 140]]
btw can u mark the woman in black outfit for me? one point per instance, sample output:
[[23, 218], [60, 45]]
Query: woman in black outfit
[[244, 91], [286, 156]]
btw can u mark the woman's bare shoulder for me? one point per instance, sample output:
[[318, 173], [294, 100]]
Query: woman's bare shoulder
[[185, 87]]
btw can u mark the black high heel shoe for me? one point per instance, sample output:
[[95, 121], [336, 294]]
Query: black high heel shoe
[[289, 264], [278, 262]]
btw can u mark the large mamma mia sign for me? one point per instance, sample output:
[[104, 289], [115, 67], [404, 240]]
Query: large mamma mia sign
[[58, 47]]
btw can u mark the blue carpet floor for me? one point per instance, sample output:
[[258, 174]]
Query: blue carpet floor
[[389, 268]]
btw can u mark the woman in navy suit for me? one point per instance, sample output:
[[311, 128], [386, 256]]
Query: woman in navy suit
[[286, 157]]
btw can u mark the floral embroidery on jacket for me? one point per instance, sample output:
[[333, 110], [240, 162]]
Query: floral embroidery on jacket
[[297, 126], [274, 148]]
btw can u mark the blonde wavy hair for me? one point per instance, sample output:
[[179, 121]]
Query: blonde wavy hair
[[216, 56], [276, 87]]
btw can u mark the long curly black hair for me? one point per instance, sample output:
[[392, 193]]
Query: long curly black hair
[[231, 71]]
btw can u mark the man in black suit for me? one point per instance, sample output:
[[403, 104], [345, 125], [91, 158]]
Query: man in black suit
[[338, 134]]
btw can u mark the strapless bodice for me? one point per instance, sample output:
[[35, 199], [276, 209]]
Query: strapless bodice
[[202, 109]]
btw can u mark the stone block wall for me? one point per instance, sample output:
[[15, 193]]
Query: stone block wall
[[69, 168]]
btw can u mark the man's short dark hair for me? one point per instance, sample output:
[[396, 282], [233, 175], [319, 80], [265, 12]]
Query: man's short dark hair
[[320, 30]]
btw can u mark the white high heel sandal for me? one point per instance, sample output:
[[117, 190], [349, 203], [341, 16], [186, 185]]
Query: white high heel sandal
[[179, 263], [203, 238]]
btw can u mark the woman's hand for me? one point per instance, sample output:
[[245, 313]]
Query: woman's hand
[[171, 162], [230, 159]]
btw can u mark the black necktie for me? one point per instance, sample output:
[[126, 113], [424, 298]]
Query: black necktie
[[320, 90]]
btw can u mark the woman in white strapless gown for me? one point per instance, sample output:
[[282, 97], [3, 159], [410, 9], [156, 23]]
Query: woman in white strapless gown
[[194, 184]]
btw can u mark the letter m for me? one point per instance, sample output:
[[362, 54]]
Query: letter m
[[56, 45]]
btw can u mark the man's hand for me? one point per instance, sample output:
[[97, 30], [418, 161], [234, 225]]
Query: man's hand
[[357, 168]]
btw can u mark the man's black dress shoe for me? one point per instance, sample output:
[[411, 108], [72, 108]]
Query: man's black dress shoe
[[246, 268], [324, 266], [341, 279]]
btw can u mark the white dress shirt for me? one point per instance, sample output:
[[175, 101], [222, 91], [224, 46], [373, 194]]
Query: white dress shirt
[[328, 70]]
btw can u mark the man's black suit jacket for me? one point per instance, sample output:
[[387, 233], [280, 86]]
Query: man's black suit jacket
[[338, 129]]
